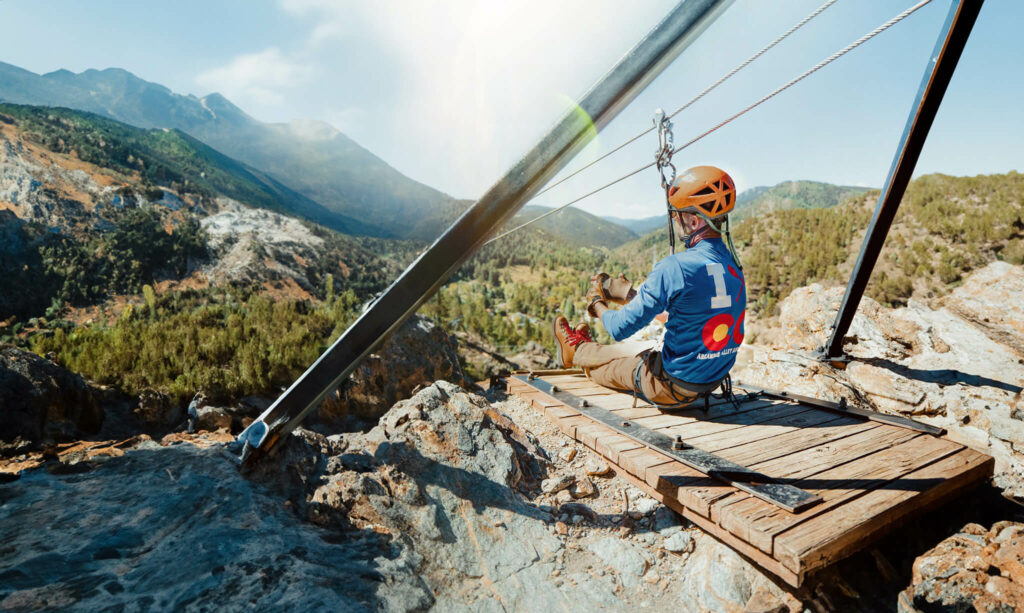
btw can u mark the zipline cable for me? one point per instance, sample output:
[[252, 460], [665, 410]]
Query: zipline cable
[[835, 56], [706, 91]]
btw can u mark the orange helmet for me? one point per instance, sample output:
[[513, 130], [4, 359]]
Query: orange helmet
[[703, 189]]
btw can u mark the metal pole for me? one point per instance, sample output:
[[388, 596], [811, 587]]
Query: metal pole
[[950, 44], [599, 106]]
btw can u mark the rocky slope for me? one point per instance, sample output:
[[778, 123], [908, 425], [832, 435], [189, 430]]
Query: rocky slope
[[958, 365]]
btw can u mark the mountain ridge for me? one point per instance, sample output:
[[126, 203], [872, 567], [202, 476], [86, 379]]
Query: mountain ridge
[[337, 173]]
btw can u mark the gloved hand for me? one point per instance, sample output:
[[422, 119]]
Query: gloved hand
[[596, 292], [614, 289]]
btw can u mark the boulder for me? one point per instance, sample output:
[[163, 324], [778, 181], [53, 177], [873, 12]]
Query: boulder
[[41, 400], [156, 411], [975, 569], [419, 353]]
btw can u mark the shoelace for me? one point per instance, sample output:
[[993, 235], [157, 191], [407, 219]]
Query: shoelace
[[576, 338]]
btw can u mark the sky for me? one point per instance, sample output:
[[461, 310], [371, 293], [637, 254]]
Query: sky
[[453, 92]]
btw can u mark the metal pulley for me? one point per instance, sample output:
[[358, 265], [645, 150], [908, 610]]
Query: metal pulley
[[667, 170]]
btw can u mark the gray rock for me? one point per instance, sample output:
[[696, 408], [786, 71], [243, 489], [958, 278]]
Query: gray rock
[[680, 542], [666, 521], [43, 400], [212, 419], [623, 557], [643, 506], [180, 529], [557, 484]]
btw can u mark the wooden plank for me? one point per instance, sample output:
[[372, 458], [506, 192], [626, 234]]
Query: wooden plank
[[701, 427], [813, 460], [709, 496], [618, 401], [793, 442], [771, 428], [758, 523], [616, 445], [638, 413], [828, 538]]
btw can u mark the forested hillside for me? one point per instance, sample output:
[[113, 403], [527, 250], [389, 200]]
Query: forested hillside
[[142, 275], [792, 195]]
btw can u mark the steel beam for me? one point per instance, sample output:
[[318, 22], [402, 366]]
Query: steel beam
[[422, 278], [942, 63]]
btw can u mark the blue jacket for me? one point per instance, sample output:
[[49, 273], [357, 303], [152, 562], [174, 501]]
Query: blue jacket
[[706, 298]]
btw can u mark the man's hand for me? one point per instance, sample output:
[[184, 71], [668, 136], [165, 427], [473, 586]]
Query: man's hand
[[620, 289], [596, 294], [612, 289]]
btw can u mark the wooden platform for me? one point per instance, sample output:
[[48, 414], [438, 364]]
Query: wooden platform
[[870, 475]]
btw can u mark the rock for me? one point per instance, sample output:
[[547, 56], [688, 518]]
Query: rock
[[623, 557], [567, 454], [764, 601], [644, 506], [557, 484], [43, 400], [583, 487], [597, 468], [563, 496], [212, 419], [666, 521], [973, 568], [169, 505], [561, 528], [680, 542], [419, 353], [156, 411]]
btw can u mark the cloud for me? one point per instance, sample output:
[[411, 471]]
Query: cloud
[[257, 79]]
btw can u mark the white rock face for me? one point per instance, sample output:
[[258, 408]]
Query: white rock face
[[244, 237], [42, 192], [959, 366]]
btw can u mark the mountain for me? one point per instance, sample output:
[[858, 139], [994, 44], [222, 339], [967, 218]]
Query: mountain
[[792, 195], [166, 157], [308, 157], [91, 207], [576, 227], [644, 225]]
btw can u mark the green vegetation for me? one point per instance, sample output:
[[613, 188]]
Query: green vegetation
[[122, 260], [227, 343], [792, 195]]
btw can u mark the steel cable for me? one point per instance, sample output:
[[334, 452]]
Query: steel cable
[[706, 91], [835, 56]]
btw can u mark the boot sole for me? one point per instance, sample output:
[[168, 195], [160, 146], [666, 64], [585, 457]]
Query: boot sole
[[558, 344]]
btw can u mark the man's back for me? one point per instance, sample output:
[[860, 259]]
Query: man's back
[[705, 295], [705, 324]]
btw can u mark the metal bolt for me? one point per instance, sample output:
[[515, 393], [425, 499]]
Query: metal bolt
[[678, 443], [554, 388], [584, 403], [626, 424]]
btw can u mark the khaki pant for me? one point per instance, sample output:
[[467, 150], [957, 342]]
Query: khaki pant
[[613, 366]]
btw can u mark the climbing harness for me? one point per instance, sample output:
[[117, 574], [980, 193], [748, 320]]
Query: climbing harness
[[835, 56]]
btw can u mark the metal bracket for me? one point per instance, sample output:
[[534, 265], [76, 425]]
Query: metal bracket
[[788, 497], [845, 409]]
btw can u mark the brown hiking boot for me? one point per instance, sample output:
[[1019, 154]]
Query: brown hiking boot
[[568, 339]]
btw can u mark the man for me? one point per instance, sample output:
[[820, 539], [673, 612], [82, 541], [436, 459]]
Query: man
[[702, 289]]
